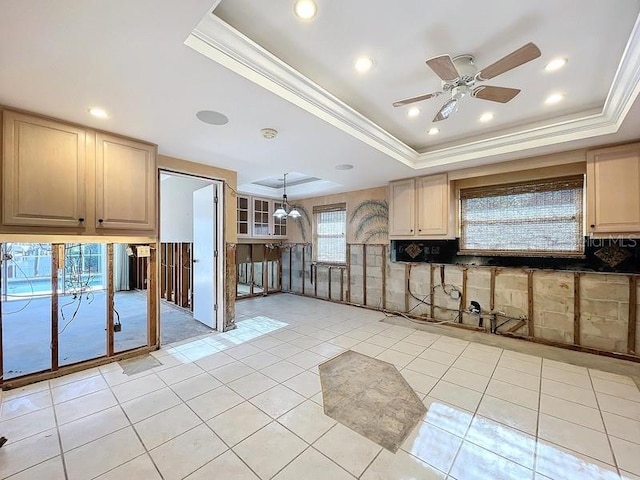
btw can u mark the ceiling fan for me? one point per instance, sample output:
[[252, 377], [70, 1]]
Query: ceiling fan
[[460, 76]]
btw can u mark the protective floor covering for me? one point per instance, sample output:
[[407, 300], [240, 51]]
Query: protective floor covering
[[132, 366], [370, 397]]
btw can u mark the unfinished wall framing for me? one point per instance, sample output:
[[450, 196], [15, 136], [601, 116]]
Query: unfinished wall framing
[[176, 274], [54, 321], [589, 311]]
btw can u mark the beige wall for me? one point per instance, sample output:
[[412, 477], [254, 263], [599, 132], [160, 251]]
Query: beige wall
[[228, 176], [357, 232], [603, 299]]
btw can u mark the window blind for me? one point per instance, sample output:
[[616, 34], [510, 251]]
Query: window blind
[[531, 218], [330, 235]]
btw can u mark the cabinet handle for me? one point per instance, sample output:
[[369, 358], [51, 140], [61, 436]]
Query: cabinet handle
[[81, 219], [593, 226], [411, 230], [419, 229], [100, 220]]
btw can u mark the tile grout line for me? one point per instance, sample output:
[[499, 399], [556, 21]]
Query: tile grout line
[[55, 417], [535, 452], [604, 425]]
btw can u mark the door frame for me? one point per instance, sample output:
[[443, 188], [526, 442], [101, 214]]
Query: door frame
[[221, 260]]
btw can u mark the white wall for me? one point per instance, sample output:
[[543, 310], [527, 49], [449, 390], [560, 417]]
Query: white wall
[[176, 207]]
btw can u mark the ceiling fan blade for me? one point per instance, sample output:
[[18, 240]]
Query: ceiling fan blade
[[447, 109], [519, 57], [495, 94], [419, 98], [443, 67]]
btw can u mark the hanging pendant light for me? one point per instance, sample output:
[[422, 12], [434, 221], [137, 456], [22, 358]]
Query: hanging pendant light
[[285, 210]]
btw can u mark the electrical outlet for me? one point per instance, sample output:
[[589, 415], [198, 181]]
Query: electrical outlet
[[143, 251]]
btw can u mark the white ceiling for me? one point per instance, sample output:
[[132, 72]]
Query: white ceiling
[[401, 37], [60, 58]]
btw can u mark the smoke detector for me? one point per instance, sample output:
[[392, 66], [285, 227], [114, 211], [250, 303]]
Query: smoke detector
[[269, 133]]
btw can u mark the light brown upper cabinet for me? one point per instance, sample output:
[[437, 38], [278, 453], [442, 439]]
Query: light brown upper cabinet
[[613, 189], [61, 178], [433, 205], [420, 208], [125, 184], [43, 172], [402, 208]]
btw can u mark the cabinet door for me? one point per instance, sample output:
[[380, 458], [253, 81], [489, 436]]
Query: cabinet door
[[402, 208], [261, 217], [433, 205], [125, 184], [43, 171], [243, 213], [613, 189], [279, 224]]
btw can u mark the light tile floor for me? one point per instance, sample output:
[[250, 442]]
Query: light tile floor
[[247, 404]]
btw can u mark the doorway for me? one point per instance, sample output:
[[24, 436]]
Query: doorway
[[191, 263]]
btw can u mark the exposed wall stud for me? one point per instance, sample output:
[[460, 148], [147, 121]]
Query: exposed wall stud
[[291, 268], [576, 308], [530, 329], [342, 284], [407, 288], [153, 326], [492, 290], [55, 265], [304, 271], [265, 276], [348, 273], [110, 302], [431, 290], [329, 282], [463, 297], [633, 314], [384, 276], [364, 274]]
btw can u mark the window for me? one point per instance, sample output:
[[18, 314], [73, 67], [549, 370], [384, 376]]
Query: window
[[533, 218], [330, 242]]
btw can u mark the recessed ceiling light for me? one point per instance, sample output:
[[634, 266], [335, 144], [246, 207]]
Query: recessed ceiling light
[[363, 64], [434, 131], [98, 112], [554, 98], [413, 112], [212, 118], [486, 117], [344, 166], [555, 64], [305, 9]]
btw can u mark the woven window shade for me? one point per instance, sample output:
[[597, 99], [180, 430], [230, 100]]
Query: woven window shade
[[333, 207], [330, 236], [530, 218]]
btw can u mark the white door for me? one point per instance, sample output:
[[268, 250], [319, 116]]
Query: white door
[[205, 255]]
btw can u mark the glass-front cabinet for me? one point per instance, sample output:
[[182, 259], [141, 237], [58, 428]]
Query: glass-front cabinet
[[255, 218], [261, 218], [243, 216]]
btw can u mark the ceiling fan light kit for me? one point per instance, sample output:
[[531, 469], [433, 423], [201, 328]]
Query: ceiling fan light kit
[[460, 77]]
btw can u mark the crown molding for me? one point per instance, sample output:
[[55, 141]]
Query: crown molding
[[220, 42]]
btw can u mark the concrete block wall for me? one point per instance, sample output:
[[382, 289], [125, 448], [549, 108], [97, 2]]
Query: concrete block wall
[[603, 298], [553, 313], [604, 311]]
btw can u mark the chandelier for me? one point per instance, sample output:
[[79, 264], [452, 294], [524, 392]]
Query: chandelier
[[286, 210]]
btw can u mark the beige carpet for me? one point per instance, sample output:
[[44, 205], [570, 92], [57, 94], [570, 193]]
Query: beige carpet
[[370, 397]]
